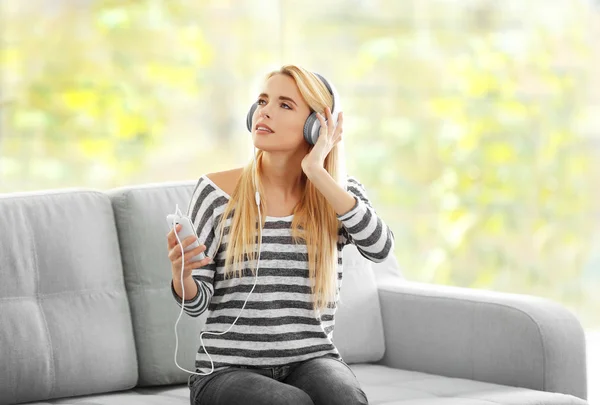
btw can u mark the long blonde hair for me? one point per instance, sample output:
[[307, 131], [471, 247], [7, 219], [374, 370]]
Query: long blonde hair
[[315, 222]]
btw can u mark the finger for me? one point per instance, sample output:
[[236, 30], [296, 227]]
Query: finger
[[188, 241], [175, 254], [339, 129], [322, 121], [177, 243], [171, 238], [200, 248], [198, 264], [330, 125], [194, 252]]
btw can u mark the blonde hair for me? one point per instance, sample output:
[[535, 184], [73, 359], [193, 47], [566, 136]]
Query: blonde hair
[[315, 222]]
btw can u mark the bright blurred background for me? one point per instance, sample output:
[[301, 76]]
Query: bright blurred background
[[474, 124]]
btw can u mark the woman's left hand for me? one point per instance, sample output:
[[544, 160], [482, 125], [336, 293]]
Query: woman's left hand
[[329, 135]]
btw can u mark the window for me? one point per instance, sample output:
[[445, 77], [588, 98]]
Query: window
[[473, 124]]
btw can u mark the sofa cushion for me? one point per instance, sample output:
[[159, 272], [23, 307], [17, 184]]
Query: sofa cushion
[[140, 215], [385, 385], [382, 385], [64, 315], [358, 332]]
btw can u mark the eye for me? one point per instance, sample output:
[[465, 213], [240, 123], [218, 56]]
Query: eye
[[261, 101], [284, 105]]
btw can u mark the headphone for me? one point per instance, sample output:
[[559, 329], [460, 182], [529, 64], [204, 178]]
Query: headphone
[[312, 126]]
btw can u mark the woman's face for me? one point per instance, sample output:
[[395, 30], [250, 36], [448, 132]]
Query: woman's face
[[278, 122]]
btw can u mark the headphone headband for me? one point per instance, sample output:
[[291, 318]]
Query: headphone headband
[[331, 91]]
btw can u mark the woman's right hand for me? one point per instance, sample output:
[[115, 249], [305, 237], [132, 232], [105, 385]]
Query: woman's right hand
[[176, 257]]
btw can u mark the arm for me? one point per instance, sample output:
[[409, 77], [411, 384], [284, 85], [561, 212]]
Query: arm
[[197, 304], [190, 286], [341, 200], [361, 224], [199, 287]]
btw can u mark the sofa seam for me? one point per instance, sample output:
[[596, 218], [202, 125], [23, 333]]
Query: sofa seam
[[69, 292], [150, 186], [39, 303], [472, 334], [111, 195], [539, 329], [127, 203], [27, 195]]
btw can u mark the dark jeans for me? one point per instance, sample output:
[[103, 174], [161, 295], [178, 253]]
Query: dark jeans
[[318, 381]]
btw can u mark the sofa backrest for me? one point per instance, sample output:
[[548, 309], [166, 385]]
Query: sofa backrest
[[358, 332], [65, 323], [140, 214]]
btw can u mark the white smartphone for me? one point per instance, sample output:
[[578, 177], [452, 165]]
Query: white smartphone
[[187, 230]]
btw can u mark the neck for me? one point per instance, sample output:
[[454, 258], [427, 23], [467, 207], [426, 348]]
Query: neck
[[282, 174]]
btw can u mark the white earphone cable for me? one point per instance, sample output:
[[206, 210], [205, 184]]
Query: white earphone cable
[[212, 364]]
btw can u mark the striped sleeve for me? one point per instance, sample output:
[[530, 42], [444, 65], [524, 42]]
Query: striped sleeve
[[201, 210], [362, 226]]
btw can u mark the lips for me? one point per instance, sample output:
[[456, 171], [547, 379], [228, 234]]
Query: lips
[[263, 127]]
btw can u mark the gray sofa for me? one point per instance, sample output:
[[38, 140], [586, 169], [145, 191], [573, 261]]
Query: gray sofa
[[87, 316]]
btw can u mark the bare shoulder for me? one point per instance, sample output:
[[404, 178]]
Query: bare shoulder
[[227, 179]]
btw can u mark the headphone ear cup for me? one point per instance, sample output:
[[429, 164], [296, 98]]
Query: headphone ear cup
[[249, 116], [312, 127]]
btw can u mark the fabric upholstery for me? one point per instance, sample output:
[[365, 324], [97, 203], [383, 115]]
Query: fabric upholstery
[[358, 332], [65, 325], [383, 386], [509, 339], [140, 215]]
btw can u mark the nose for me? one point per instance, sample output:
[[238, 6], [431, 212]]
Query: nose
[[263, 113], [264, 110]]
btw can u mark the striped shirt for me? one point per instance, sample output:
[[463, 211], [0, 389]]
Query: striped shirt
[[278, 325]]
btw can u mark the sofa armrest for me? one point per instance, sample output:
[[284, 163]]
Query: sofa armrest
[[509, 339]]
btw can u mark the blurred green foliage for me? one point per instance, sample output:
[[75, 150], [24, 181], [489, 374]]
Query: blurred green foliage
[[91, 86]]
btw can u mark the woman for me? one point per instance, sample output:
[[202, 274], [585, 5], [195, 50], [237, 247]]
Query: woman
[[272, 288]]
